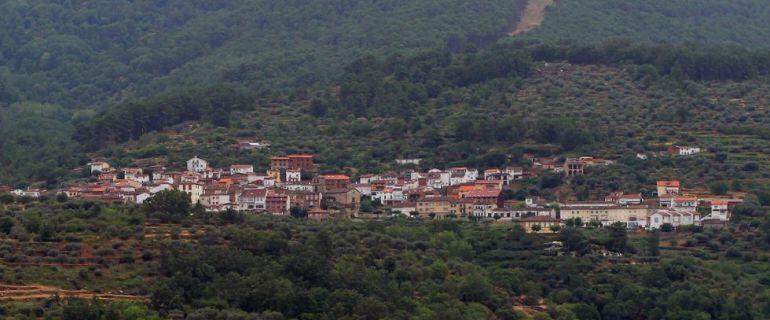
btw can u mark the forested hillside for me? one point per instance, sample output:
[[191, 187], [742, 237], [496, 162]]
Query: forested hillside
[[486, 109], [81, 54], [122, 69], [608, 99], [736, 22]]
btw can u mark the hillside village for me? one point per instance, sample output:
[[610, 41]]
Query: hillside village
[[293, 185]]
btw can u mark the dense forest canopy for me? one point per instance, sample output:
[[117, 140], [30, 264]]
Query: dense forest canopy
[[82, 54], [399, 87], [736, 22], [36, 142]]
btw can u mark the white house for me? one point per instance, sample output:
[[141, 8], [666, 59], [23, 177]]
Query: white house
[[518, 213], [190, 177], [197, 165], [299, 186], [630, 199], [249, 145], [136, 174], [719, 210], [32, 193], [132, 173], [686, 202], [215, 199], [388, 195], [293, 175], [460, 175], [194, 189], [438, 179], [364, 188], [409, 161], [405, 208], [252, 200], [688, 151], [268, 182], [142, 197], [160, 187], [493, 174], [241, 168], [675, 217], [511, 174], [99, 166]]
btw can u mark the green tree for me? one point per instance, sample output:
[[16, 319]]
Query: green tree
[[618, 237], [574, 240], [6, 224], [719, 188], [169, 205], [653, 243]]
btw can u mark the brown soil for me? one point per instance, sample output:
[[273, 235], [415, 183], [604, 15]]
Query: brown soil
[[37, 292], [519, 305], [532, 16]]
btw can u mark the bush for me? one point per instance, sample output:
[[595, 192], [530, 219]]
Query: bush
[[733, 252]]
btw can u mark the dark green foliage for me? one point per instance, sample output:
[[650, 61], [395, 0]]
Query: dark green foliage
[[719, 188], [653, 243], [78, 54], [169, 206], [298, 212], [574, 240], [739, 22], [618, 237], [212, 105], [231, 216], [35, 143], [700, 63]]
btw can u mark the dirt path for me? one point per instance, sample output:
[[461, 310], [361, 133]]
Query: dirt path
[[532, 16], [36, 292]]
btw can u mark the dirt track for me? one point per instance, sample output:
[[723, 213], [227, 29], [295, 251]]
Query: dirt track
[[36, 292], [532, 16]]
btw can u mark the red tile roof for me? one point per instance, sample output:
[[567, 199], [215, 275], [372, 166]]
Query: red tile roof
[[483, 194], [336, 177], [673, 183]]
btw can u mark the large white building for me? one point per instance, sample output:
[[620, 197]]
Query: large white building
[[197, 165]]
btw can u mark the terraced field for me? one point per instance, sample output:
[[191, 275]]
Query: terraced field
[[38, 292]]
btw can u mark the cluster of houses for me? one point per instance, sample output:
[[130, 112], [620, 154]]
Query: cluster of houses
[[673, 151], [294, 181]]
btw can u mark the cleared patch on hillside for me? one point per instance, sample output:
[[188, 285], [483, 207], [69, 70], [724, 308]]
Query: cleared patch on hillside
[[532, 17], [37, 292]]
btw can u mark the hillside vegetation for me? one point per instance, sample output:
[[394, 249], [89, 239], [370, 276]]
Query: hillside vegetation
[[235, 266], [488, 108], [473, 108], [736, 22], [82, 54]]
